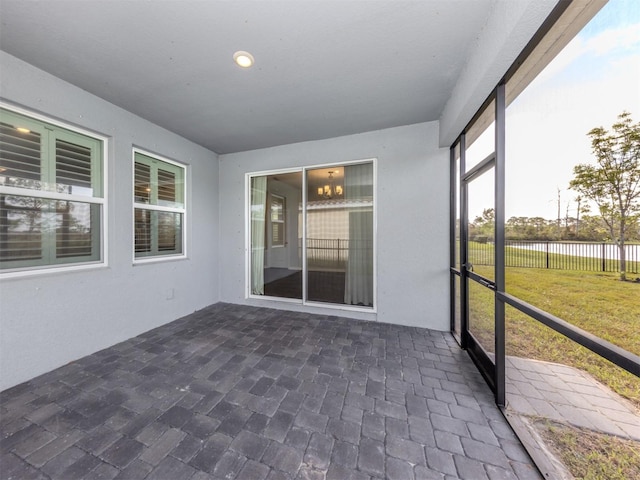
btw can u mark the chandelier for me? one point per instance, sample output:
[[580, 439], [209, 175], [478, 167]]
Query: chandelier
[[329, 190]]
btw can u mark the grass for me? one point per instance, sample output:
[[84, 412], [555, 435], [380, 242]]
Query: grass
[[592, 456], [598, 303]]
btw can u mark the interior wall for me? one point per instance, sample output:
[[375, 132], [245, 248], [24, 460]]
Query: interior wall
[[412, 220], [51, 319], [287, 256]]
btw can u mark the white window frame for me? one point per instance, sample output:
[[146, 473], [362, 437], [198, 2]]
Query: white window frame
[[158, 208], [102, 201], [247, 232]]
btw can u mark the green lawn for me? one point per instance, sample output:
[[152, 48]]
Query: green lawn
[[592, 456], [593, 301], [598, 303]]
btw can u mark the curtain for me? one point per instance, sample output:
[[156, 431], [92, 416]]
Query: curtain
[[358, 190], [258, 217]]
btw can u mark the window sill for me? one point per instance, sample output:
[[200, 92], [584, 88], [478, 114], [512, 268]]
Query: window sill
[[168, 258], [52, 270]]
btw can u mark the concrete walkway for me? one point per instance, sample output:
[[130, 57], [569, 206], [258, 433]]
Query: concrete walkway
[[566, 394]]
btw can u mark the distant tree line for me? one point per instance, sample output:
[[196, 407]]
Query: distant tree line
[[588, 228]]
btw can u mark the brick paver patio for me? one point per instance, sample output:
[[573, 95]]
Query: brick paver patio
[[235, 392]]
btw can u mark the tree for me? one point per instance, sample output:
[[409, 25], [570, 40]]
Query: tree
[[483, 226], [613, 184], [593, 229]]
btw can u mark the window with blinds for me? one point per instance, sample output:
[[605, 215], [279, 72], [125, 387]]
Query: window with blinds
[[159, 207], [51, 200], [277, 220]]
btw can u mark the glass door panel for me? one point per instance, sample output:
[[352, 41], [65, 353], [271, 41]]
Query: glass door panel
[[339, 235], [276, 263], [480, 268], [481, 315], [481, 227]]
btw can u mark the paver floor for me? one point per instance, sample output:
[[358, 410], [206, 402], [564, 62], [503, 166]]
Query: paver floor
[[235, 392]]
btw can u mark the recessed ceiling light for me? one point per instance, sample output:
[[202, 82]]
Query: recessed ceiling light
[[243, 59], [23, 130]]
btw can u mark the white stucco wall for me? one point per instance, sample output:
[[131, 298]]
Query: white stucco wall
[[51, 319], [413, 219]]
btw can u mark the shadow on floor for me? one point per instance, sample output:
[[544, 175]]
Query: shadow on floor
[[322, 286]]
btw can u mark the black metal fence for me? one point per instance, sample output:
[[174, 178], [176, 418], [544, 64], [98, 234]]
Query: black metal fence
[[599, 257], [333, 253], [326, 253]]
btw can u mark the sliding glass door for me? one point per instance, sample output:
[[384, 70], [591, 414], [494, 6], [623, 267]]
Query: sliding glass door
[[339, 221], [333, 220]]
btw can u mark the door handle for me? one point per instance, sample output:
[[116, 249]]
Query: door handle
[[487, 283], [469, 266]]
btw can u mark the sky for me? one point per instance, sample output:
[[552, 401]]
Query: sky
[[589, 83]]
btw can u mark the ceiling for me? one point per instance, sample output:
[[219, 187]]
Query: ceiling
[[323, 68]]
